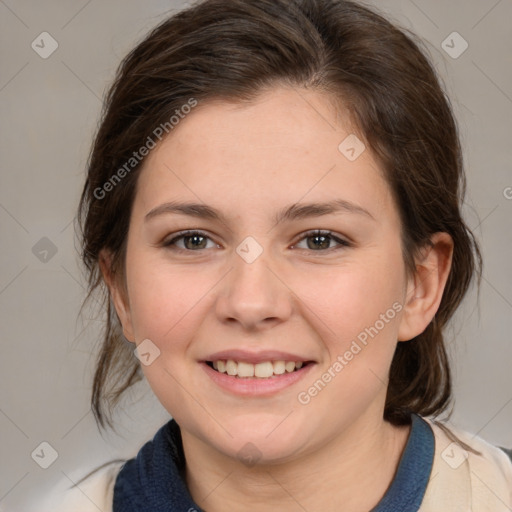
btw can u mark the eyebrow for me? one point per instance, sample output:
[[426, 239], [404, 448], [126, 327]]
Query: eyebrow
[[295, 211]]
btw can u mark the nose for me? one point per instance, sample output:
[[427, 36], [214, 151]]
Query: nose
[[253, 295]]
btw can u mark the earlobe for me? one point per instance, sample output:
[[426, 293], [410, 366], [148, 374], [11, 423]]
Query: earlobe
[[118, 294], [425, 288]]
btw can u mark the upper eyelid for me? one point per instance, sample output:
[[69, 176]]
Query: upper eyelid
[[188, 232], [339, 239]]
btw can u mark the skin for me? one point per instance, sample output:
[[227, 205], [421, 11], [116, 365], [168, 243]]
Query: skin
[[249, 162]]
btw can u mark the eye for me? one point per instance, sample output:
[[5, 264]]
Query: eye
[[190, 241], [317, 241], [321, 241]]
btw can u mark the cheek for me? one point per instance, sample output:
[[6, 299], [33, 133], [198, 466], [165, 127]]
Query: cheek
[[350, 299], [358, 314], [357, 310], [167, 306], [164, 299]]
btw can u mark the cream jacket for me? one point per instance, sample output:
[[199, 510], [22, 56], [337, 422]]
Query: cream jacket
[[461, 481]]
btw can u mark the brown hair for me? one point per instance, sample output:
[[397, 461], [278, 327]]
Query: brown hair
[[234, 49]]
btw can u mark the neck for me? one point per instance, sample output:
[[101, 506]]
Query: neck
[[350, 472]]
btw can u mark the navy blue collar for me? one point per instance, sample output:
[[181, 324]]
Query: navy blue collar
[[408, 488], [154, 481]]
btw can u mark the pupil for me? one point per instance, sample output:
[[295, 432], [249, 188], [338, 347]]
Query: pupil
[[194, 239], [324, 242]]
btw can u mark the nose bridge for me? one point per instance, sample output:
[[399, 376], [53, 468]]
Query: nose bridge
[[252, 295]]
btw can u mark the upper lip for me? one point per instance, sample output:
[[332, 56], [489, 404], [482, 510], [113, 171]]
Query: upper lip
[[255, 357]]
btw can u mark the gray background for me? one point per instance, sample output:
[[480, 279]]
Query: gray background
[[49, 111]]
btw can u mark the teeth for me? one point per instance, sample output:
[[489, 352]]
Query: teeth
[[263, 370], [279, 367], [245, 370], [231, 368], [289, 366]]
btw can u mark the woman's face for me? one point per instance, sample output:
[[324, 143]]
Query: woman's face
[[257, 285]]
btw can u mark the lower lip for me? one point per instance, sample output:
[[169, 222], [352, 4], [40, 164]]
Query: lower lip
[[254, 386]]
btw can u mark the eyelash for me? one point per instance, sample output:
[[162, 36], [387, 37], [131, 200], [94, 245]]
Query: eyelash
[[308, 234]]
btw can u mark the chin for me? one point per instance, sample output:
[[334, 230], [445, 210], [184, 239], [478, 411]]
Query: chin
[[260, 439]]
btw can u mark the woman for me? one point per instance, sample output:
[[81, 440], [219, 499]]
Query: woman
[[273, 203]]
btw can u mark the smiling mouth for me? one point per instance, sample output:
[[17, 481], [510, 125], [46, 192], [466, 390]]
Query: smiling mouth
[[263, 370]]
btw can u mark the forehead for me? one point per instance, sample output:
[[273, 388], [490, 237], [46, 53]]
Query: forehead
[[285, 145]]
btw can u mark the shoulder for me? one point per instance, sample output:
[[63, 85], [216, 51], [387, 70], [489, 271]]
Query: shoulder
[[91, 493], [468, 473]]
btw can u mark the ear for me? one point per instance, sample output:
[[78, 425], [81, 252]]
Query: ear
[[118, 294], [425, 288]]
